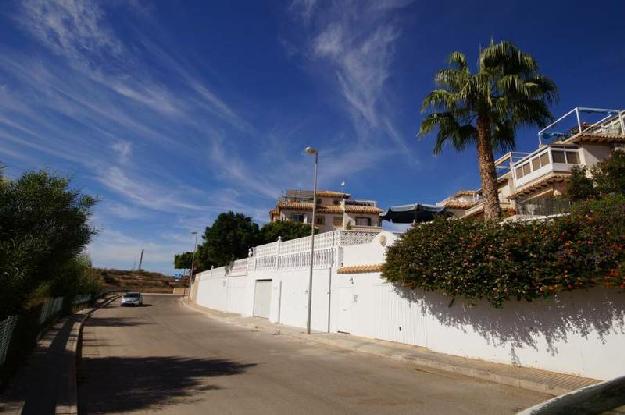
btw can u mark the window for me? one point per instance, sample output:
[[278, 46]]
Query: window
[[363, 221], [320, 220], [337, 221], [558, 157], [336, 202], [319, 201], [297, 218], [519, 172], [544, 159], [527, 169], [572, 157], [536, 163]]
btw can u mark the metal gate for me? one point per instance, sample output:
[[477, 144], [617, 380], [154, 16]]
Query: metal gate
[[262, 298], [346, 299]]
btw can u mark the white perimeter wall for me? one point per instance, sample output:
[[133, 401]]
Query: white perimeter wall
[[581, 332]]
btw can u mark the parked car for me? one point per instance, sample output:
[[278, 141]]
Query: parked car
[[132, 298]]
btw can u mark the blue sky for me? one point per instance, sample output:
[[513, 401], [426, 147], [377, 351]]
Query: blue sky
[[171, 112]]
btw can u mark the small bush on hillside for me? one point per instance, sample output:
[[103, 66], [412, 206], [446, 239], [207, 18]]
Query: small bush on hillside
[[523, 261]]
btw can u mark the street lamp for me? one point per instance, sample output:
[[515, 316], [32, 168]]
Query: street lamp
[[312, 151], [192, 263]]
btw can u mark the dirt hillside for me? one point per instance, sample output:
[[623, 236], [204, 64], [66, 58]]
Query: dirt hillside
[[134, 280]]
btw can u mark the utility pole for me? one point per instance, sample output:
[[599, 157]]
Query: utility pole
[[141, 260], [312, 151], [192, 263]]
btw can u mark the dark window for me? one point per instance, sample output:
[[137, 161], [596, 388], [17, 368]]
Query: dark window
[[320, 220], [572, 157], [297, 218], [131, 295], [363, 221], [558, 157]]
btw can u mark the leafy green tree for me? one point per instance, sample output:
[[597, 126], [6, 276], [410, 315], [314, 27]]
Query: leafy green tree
[[183, 261], [580, 187], [285, 229], [229, 238], [609, 175], [43, 227], [485, 108]]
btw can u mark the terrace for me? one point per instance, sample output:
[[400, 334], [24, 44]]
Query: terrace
[[583, 124]]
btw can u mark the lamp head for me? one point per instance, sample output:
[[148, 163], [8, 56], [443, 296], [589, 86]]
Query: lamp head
[[310, 150]]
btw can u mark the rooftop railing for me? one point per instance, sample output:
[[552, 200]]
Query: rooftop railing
[[584, 120]]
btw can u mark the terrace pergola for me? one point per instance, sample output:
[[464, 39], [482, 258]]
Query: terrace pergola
[[413, 213]]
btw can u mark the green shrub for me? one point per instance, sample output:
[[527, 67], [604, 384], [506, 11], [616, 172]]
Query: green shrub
[[499, 262], [44, 226]]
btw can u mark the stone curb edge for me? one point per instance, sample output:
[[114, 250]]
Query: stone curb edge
[[605, 397], [73, 342], [510, 380]]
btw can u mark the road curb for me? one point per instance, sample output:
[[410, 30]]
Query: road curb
[[68, 396], [545, 382], [604, 397]]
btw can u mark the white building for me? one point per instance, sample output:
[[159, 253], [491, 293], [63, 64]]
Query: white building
[[335, 210]]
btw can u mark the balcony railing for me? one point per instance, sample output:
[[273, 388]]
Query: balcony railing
[[581, 120], [548, 159]]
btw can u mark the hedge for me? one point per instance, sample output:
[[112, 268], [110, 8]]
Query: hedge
[[523, 260]]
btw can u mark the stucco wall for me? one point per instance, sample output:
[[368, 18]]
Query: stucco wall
[[580, 332]]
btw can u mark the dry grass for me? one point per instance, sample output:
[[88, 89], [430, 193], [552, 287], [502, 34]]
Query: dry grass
[[133, 280]]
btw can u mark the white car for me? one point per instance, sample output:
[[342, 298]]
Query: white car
[[132, 298]]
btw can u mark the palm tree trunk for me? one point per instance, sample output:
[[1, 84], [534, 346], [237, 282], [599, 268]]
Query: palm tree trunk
[[488, 174]]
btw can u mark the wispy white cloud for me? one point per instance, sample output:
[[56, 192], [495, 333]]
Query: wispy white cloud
[[357, 40], [128, 116], [304, 8], [123, 149], [71, 28]]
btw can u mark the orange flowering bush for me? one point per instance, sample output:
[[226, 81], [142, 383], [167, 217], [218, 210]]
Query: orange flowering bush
[[522, 260]]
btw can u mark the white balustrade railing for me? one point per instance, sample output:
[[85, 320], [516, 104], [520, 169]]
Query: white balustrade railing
[[239, 267], [294, 254]]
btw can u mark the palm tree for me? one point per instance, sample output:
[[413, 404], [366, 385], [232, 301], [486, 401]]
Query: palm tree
[[485, 108]]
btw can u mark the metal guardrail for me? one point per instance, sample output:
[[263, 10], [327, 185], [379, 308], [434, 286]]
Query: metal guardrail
[[6, 330]]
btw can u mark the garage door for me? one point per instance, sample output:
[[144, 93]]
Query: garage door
[[262, 298]]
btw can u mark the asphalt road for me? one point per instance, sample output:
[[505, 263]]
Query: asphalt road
[[165, 357]]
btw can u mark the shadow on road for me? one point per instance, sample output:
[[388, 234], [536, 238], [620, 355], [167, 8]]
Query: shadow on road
[[141, 383], [114, 322]]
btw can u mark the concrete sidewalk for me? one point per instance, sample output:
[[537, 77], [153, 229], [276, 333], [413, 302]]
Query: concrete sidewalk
[[46, 384], [526, 378], [37, 386]]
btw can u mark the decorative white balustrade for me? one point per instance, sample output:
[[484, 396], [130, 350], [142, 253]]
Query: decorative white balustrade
[[239, 267], [294, 254]]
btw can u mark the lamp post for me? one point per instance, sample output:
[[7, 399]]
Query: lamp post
[[192, 263], [312, 151]]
